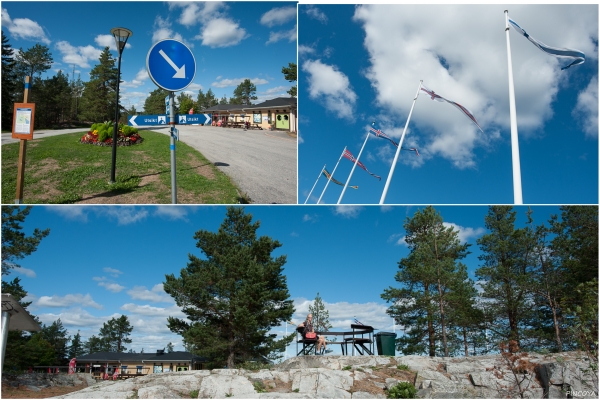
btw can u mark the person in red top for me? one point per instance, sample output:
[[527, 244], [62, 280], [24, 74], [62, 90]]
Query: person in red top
[[308, 327]]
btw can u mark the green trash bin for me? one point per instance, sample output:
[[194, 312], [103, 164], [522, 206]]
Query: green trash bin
[[386, 343]]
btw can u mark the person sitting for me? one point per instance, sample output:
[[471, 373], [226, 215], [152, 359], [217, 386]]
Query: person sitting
[[308, 327]]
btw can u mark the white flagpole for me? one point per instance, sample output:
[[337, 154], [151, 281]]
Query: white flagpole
[[389, 178], [514, 134], [352, 171], [333, 172], [313, 188]]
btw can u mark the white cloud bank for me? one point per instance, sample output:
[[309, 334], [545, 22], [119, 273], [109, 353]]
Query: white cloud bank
[[328, 85], [462, 56]]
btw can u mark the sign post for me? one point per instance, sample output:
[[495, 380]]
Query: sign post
[[23, 117], [171, 65]]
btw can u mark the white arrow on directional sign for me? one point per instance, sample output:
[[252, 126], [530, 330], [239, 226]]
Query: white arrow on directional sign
[[179, 72], [132, 120], [207, 119]]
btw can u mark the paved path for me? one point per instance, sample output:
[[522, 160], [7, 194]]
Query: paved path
[[263, 164]]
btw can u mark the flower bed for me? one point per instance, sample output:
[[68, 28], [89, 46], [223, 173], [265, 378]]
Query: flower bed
[[101, 135]]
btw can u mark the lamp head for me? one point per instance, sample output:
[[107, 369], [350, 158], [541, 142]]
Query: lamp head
[[121, 35]]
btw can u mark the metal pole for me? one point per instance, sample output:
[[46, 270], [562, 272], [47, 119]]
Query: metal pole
[[389, 178], [352, 171], [173, 165], [328, 180], [514, 133], [313, 188], [116, 127], [5, 324]]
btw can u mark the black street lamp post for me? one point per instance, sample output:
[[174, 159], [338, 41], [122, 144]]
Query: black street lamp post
[[121, 35]]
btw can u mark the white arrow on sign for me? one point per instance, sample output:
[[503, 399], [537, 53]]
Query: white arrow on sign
[[207, 119], [180, 71], [132, 120]]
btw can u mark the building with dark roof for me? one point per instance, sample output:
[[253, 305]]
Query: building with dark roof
[[280, 113], [140, 363]]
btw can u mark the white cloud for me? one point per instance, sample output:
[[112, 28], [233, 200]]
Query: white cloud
[[156, 295], [67, 301], [473, 73], [24, 28], [310, 218], [586, 110], [236, 81], [108, 41], [124, 215], [111, 287], [171, 213], [464, 234], [290, 35], [80, 55], [347, 211], [162, 30], [398, 239], [146, 310], [76, 318], [331, 87], [112, 271], [278, 16], [25, 271], [139, 79], [193, 13], [221, 32], [304, 50], [316, 13]]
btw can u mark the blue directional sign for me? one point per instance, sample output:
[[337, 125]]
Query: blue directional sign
[[171, 65], [182, 119], [147, 120], [189, 119]]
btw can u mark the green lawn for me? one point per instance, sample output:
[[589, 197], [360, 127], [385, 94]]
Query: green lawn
[[59, 169]]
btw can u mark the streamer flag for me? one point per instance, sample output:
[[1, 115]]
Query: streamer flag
[[328, 176], [437, 97], [572, 56], [350, 157]]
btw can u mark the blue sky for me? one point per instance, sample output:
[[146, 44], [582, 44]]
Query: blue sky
[[230, 41], [363, 63], [103, 262]]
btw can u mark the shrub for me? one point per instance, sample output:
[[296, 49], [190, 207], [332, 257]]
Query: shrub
[[403, 390], [194, 394], [346, 368], [259, 387], [403, 367]]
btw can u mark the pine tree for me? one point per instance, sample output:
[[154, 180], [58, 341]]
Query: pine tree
[[94, 345], [98, 100], [76, 348], [155, 103], [36, 59], [15, 244], [244, 93], [320, 315], [211, 100], [201, 101], [233, 295], [115, 334], [56, 335], [9, 83], [290, 73], [506, 256], [428, 275], [223, 100]]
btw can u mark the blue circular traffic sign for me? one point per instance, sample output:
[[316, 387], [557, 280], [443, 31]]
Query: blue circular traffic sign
[[171, 65]]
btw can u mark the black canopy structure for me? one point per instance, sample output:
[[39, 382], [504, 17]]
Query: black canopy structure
[[14, 317]]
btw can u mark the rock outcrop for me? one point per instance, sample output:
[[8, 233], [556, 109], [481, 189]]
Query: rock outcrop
[[565, 375]]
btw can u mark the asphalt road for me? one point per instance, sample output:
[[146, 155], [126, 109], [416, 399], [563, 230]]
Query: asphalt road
[[263, 164]]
